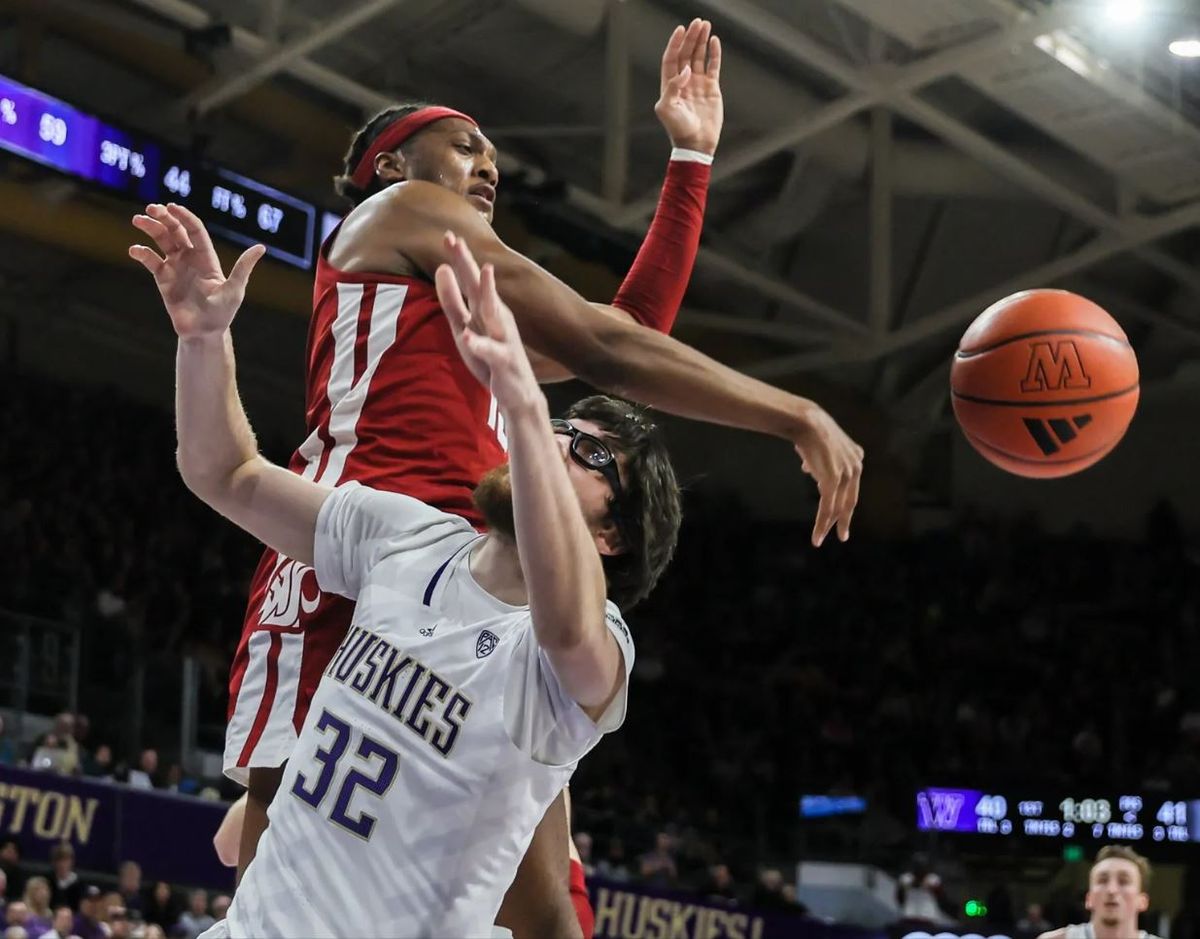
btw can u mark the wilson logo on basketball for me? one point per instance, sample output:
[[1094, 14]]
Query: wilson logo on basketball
[[1053, 367], [1056, 432]]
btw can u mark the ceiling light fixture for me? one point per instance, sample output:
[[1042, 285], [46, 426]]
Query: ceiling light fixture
[[1124, 12], [1186, 48]]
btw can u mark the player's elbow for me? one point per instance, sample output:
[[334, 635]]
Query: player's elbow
[[586, 346], [202, 480]]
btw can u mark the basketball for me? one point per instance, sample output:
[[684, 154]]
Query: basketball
[[1044, 383]]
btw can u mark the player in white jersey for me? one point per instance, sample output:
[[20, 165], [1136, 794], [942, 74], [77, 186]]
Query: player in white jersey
[[1117, 885], [478, 669]]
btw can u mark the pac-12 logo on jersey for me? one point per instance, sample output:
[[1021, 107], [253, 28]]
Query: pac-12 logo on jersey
[[485, 644], [286, 597]]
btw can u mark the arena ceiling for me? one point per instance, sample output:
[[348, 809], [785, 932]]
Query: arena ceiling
[[887, 170]]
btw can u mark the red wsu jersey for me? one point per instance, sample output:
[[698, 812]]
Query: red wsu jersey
[[389, 401]]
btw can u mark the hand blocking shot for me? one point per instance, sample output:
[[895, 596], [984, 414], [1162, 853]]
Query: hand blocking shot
[[478, 669]]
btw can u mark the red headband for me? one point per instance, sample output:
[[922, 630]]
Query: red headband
[[396, 133]]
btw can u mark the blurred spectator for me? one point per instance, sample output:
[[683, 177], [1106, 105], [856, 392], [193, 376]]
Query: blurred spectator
[[720, 884], [768, 892], [129, 885], [919, 894], [62, 927], [87, 921], [153, 931], [790, 902], [65, 887], [10, 863], [16, 932], [16, 913], [100, 763], [613, 865], [8, 747], [64, 730], [51, 755], [1033, 923], [658, 865], [197, 918], [220, 905], [37, 902], [119, 926], [146, 774], [161, 907]]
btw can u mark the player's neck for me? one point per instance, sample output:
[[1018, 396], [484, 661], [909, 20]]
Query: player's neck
[[497, 569], [1123, 931]]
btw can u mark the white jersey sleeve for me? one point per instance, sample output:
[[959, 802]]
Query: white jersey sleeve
[[541, 718], [358, 526]]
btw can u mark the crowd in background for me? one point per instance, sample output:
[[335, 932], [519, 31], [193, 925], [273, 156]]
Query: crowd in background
[[986, 650], [61, 904]]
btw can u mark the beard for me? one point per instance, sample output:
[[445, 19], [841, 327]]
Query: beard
[[493, 498]]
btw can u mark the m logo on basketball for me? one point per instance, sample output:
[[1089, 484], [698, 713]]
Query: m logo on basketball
[[1053, 367]]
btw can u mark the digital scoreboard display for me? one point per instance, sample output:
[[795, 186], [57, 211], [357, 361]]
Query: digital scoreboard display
[[41, 128], [1080, 817]]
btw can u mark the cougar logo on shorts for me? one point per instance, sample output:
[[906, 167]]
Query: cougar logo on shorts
[[286, 598], [485, 644]]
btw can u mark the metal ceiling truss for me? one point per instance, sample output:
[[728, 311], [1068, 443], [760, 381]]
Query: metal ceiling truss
[[333, 83], [895, 91]]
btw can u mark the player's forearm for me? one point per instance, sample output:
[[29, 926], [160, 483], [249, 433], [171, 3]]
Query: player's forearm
[[657, 281], [563, 574], [219, 460], [215, 437], [629, 360]]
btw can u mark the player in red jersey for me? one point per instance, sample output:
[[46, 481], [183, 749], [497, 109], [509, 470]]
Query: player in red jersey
[[390, 404]]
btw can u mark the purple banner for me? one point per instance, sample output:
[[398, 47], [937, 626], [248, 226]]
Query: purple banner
[[169, 835], [635, 911]]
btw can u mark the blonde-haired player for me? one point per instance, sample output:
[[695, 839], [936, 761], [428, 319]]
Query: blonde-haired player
[[1116, 894]]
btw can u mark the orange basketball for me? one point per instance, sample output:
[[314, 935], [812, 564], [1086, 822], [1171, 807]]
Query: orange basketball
[[1044, 383]]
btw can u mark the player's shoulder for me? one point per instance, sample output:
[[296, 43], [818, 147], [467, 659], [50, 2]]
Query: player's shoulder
[[418, 521], [416, 198]]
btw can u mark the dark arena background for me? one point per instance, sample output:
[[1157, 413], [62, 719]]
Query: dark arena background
[[929, 730]]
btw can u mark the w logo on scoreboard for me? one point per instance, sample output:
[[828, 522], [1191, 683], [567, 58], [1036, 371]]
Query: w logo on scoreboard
[[938, 810]]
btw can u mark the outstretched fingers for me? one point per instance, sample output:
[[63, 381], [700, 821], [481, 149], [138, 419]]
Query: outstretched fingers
[[714, 58], [450, 297], [700, 47], [670, 59], [150, 259], [466, 271]]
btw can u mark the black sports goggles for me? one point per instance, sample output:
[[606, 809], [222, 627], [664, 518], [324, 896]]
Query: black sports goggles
[[592, 453]]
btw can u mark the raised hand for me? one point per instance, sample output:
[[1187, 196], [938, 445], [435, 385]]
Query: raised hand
[[484, 328], [198, 296], [834, 461], [689, 105]]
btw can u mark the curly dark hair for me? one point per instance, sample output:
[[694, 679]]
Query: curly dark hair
[[651, 510], [367, 134]]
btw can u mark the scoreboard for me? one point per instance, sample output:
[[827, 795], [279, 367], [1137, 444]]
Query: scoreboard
[[1082, 816], [38, 127]]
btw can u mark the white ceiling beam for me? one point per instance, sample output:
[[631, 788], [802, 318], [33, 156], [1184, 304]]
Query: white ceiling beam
[[617, 77], [337, 85], [270, 23], [214, 94], [962, 311]]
